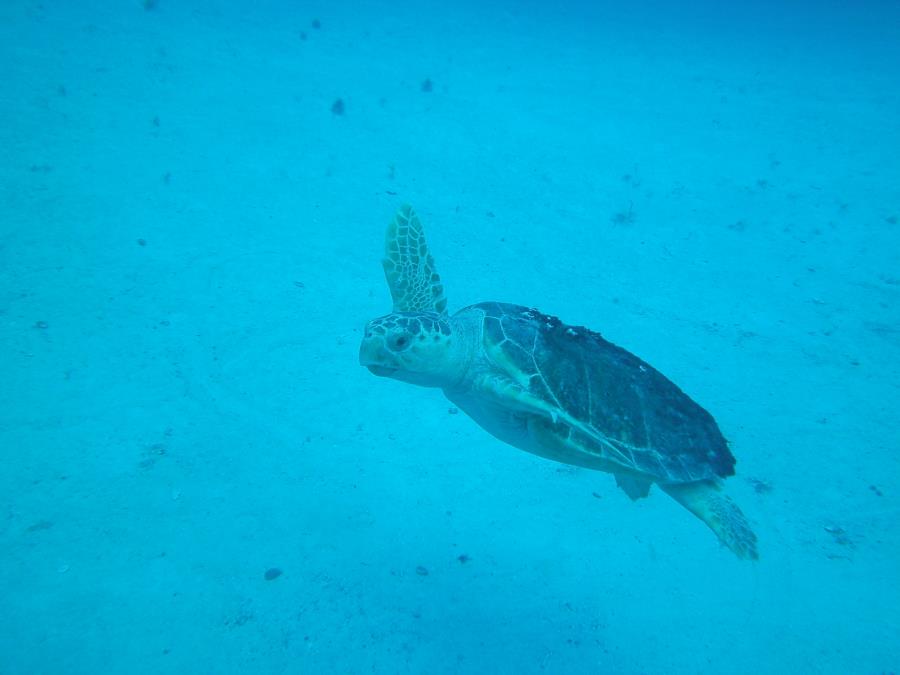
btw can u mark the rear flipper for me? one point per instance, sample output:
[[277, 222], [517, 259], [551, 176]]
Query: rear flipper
[[705, 500]]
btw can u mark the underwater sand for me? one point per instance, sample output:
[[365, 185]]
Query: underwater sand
[[197, 476]]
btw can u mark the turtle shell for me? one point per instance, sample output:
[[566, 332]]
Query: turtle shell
[[609, 402]]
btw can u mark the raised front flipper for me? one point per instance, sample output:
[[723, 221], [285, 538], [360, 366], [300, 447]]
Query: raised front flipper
[[409, 268]]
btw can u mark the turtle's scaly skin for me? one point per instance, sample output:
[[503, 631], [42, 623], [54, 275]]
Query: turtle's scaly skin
[[558, 391]]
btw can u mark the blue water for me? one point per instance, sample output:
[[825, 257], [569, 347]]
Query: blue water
[[198, 477]]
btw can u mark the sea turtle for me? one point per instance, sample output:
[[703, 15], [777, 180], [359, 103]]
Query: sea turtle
[[559, 391]]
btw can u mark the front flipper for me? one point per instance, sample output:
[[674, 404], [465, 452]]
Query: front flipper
[[409, 268], [636, 487], [722, 515]]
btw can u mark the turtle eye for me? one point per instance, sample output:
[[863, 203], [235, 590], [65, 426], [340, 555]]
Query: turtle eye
[[399, 342]]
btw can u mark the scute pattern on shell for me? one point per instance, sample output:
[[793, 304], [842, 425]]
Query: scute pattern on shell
[[646, 422]]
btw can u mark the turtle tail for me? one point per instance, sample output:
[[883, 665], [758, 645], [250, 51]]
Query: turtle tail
[[705, 500]]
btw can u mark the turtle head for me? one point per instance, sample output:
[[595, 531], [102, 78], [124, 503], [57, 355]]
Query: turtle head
[[416, 347]]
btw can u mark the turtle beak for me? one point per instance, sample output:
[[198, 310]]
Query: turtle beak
[[373, 356], [381, 371]]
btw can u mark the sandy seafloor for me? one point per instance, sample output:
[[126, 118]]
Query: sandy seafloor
[[190, 245]]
